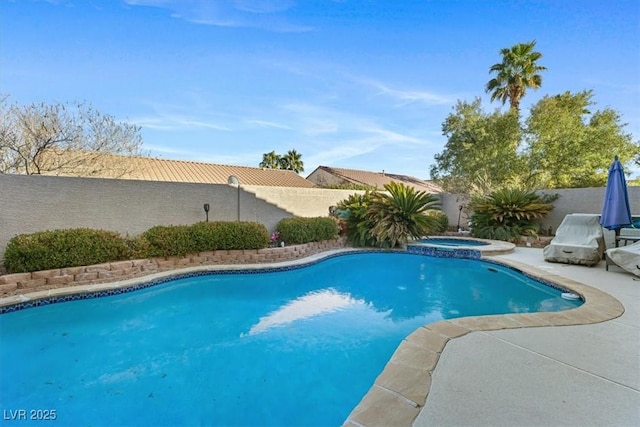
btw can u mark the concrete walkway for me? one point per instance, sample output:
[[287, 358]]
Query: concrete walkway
[[587, 375]]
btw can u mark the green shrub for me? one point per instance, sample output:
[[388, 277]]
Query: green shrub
[[508, 214], [169, 240], [139, 247], [79, 247], [442, 219], [295, 231], [391, 218], [400, 214], [75, 247], [220, 235], [358, 225], [180, 240]]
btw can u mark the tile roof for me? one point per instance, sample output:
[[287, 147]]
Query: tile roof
[[379, 179], [153, 169]]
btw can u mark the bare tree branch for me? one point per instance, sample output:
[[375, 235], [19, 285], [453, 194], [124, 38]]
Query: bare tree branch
[[64, 139]]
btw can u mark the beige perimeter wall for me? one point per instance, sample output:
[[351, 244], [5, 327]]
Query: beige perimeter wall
[[36, 203]]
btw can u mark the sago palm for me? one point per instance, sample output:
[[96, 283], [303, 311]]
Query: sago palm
[[517, 72], [507, 214], [401, 214]]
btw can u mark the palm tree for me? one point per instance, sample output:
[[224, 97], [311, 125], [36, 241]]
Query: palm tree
[[516, 73], [292, 161], [401, 214], [270, 161]]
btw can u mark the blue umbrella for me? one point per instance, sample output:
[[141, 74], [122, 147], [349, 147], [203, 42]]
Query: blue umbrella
[[616, 212]]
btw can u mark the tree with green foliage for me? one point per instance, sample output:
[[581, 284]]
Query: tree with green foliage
[[517, 72], [270, 160], [564, 143], [481, 149], [400, 213], [290, 161], [570, 145], [63, 139]]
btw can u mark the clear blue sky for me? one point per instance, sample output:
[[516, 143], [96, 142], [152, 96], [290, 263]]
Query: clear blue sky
[[347, 83]]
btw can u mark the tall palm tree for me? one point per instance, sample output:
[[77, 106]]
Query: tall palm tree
[[517, 72], [292, 161], [401, 214], [270, 161]]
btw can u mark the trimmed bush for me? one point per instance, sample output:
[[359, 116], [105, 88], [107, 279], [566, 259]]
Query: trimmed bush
[[75, 247], [212, 236], [80, 247], [295, 231], [169, 240]]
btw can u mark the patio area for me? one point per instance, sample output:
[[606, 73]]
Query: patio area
[[560, 375]]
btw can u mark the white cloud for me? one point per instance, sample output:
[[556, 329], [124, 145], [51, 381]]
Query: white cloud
[[268, 124], [267, 15], [175, 123], [406, 96]]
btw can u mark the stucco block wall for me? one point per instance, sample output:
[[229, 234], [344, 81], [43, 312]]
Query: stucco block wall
[[303, 202], [583, 200], [35, 203], [570, 200]]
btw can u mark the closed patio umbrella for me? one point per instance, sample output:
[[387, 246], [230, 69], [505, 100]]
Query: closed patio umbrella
[[616, 212]]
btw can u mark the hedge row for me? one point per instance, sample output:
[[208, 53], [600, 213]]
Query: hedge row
[[181, 240], [295, 231], [47, 250]]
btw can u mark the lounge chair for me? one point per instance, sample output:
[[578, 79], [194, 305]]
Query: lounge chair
[[578, 240], [625, 257]]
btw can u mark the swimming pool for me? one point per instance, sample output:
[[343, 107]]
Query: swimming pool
[[295, 347]]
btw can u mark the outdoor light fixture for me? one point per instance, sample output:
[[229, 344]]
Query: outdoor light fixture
[[459, 214], [233, 180], [206, 210]]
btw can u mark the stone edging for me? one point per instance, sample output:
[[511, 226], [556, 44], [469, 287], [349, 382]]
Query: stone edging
[[401, 390], [24, 283]]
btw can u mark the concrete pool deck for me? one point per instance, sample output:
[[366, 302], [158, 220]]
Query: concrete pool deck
[[561, 375]]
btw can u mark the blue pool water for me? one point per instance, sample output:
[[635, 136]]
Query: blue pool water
[[298, 347], [442, 241]]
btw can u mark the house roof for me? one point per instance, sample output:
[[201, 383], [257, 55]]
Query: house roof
[[153, 169], [379, 179]]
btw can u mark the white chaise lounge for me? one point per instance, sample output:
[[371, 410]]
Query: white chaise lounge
[[625, 257], [578, 240]]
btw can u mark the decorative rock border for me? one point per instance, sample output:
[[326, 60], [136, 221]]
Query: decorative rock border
[[23, 283]]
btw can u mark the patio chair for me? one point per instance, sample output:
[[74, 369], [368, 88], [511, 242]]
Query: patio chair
[[578, 240], [625, 257]]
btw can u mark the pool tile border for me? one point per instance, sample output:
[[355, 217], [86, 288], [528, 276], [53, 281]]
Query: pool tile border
[[492, 247], [82, 292]]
